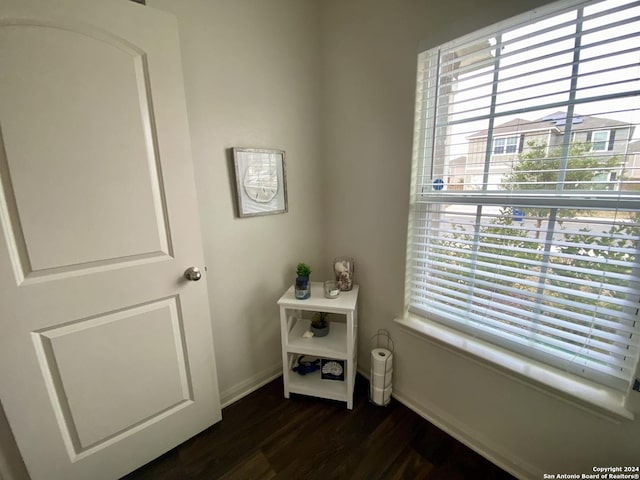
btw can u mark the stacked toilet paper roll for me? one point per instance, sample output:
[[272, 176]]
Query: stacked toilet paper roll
[[381, 374]]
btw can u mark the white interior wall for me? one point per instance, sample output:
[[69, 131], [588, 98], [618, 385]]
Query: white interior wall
[[369, 61], [251, 75]]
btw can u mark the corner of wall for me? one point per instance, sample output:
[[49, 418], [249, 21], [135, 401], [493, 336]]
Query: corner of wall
[[249, 385]]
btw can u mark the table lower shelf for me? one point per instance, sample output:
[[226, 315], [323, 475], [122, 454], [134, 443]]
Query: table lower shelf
[[312, 384]]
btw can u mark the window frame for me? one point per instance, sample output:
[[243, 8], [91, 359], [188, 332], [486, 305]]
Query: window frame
[[554, 9], [505, 144], [605, 141]]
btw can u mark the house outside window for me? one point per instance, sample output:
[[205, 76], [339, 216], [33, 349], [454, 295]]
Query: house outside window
[[536, 250], [521, 134]]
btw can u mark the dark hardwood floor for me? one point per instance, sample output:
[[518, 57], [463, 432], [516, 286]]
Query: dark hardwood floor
[[265, 436]]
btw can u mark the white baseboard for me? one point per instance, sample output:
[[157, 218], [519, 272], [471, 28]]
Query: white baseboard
[[474, 440], [249, 385]]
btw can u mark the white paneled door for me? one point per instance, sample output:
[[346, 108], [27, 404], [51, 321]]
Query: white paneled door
[[106, 355]]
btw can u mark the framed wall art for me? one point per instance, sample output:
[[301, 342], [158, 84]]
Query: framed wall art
[[261, 181]]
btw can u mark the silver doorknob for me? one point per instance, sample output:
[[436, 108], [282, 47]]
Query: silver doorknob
[[193, 274]]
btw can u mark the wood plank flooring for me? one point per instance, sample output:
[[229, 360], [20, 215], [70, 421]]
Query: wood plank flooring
[[264, 436]]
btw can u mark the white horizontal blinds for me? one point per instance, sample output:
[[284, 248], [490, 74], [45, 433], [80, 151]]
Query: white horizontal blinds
[[556, 293], [525, 216], [527, 79]]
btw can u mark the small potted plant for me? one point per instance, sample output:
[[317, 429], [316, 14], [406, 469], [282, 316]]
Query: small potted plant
[[303, 288], [320, 324]]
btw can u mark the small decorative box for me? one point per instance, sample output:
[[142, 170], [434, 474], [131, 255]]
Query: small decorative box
[[332, 369]]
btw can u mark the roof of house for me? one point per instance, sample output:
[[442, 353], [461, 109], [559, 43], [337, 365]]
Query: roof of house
[[555, 122]]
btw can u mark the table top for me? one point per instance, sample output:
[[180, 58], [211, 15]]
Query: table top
[[346, 301]]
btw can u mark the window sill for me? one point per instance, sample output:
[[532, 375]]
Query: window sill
[[604, 402]]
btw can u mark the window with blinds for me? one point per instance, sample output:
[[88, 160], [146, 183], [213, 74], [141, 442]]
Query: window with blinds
[[525, 203]]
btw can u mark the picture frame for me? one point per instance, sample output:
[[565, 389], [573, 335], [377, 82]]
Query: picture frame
[[261, 181]]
